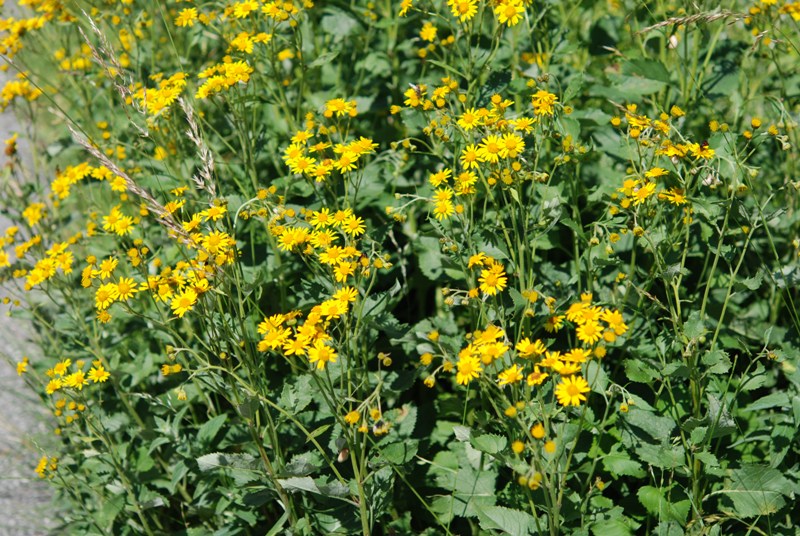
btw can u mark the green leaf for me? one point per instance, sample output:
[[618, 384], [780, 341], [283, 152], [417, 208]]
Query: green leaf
[[430, 257], [596, 377], [573, 88], [489, 443], [756, 490], [506, 520], [774, 400], [400, 453], [657, 504], [338, 23], [693, 328], [717, 361], [299, 483], [639, 371], [217, 460], [621, 464], [611, 527], [656, 426], [208, 431]]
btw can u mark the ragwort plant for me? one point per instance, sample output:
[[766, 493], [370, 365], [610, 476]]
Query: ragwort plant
[[435, 267]]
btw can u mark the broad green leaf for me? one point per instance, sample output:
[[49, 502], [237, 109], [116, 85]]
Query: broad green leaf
[[774, 400], [658, 427], [506, 520], [716, 361], [657, 503], [694, 328], [400, 453], [489, 443], [429, 256], [208, 431], [620, 464], [639, 371], [756, 490], [611, 527], [299, 483]]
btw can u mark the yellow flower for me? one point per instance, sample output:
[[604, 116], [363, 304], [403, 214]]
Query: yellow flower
[[543, 102], [126, 288], [469, 120], [321, 354], [510, 375], [526, 348], [538, 431], [166, 370], [489, 149], [98, 374], [428, 32], [105, 296], [509, 12], [570, 392], [469, 368], [184, 302], [537, 377], [53, 385], [186, 17], [464, 10], [352, 417], [589, 332], [493, 280], [354, 226], [76, 380]]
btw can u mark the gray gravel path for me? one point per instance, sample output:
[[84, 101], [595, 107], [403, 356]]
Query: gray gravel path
[[25, 501]]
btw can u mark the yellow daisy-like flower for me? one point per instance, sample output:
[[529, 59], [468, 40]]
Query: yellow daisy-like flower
[[321, 354], [469, 368], [493, 280], [464, 10], [510, 375], [571, 391], [98, 374], [353, 225], [184, 302], [509, 12], [589, 333], [537, 377]]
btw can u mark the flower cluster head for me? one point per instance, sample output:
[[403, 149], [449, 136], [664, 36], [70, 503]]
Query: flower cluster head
[[316, 154], [68, 375], [532, 362], [285, 334], [223, 76], [158, 100]]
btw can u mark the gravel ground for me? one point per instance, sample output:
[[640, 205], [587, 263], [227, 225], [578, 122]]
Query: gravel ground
[[25, 501]]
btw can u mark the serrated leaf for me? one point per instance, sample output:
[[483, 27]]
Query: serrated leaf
[[299, 483], [717, 361], [506, 520], [429, 256], [774, 400], [657, 504], [573, 88], [611, 527], [208, 431], [400, 453], [217, 460], [489, 443], [640, 372], [462, 433], [658, 427], [756, 490], [694, 328], [620, 464]]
